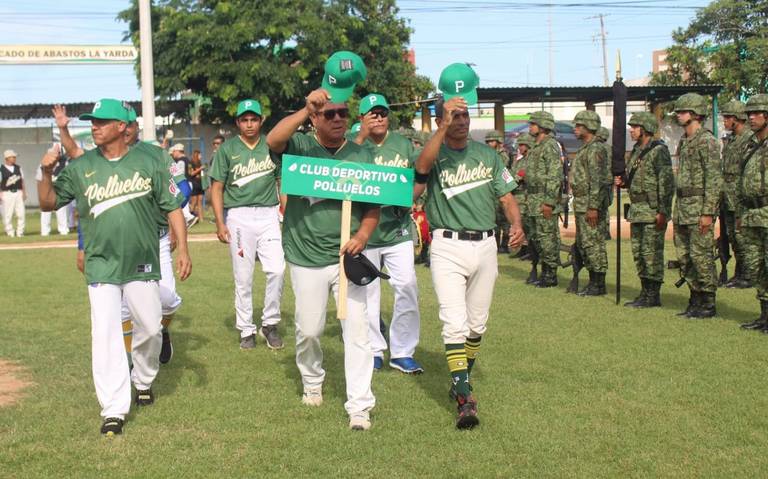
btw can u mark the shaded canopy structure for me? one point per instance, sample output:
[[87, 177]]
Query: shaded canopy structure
[[590, 95]]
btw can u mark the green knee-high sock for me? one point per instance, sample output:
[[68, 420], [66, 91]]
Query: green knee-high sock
[[472, 347], [457, 365]]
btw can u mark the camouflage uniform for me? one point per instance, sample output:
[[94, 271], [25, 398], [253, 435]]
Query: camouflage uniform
[[543, 175], [699, 185], [589, 185], [651, 188], [602, 137], [752, 210], [734, 149], [502, 225]]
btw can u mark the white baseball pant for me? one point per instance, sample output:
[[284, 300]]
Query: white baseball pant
[[311, 287], [109, 362], [62, 221], [464, 274], [13, 202], [404, 327], [255, 230], [170, 301]]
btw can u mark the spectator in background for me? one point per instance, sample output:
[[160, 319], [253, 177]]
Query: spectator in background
[[218, 140], [195, 176], [181, 165], [12, 194], [62, 214]]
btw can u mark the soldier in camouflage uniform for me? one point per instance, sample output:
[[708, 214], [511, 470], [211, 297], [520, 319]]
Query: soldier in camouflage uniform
[[651, 187], [734, 119], [752, 207], [602, 137], [524, 144], [543, 174], [495, 139], [590, 200], [699, 185]]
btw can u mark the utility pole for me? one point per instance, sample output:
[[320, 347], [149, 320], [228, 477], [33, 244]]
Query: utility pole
[[605, 54], [551, 50], [147, 72]]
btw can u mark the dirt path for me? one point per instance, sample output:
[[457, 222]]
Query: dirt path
[[11, 387]]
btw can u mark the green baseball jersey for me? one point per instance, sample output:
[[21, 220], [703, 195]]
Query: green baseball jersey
[[249, 174], [118, 203], [543, 177], [395, 221], [653, 183], [590, 173], [753, 190], [699, 178], [167, 162], [464, 187], [312, 226], [733, 153]]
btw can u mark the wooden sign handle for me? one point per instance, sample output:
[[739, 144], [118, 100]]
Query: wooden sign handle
[[346, 225]]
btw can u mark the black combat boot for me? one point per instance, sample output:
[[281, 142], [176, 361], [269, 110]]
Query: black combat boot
[[653, 295], [706, 307], [596, 286], [533, 276], [589, 285], [548, 278], [641, 297], [760, 323], [693, 303]]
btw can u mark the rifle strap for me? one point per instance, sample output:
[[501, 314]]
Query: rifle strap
[[636, 163]]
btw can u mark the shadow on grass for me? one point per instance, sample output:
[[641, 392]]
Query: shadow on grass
[[183, 343]]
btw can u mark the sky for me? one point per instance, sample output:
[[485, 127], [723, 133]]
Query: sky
[[507, 42]]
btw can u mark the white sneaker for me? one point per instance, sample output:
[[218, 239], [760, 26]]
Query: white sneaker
[[312, 396], [360, 421]]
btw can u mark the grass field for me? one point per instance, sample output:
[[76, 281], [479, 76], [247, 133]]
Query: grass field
[[567, 387]]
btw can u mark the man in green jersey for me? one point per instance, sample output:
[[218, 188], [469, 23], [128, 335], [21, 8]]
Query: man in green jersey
[[312, 241], [464, 181], [391, 245], [118, 192], [169, 298], [245, 183]]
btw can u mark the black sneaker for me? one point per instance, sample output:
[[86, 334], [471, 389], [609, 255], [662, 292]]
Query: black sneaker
[[271, 336], [166, 351], [467, 418], [112, 426], [144, 398]]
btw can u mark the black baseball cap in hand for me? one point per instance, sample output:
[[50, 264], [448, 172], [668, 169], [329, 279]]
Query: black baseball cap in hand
[[360, 270]]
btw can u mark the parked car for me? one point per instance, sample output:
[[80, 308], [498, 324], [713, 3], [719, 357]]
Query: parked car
[[563, 133]]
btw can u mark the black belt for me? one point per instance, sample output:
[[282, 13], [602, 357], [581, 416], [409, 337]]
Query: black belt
[[12, 190], [467, 235], [689, 192], [638, 197], [755, 203]]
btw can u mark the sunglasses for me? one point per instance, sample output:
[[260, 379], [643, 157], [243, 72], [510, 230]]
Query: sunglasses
[[331, 114], [380, 112]]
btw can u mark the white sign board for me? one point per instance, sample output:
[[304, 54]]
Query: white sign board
[[67, 54]]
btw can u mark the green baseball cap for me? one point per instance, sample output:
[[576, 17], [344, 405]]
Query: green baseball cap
[[343, 71], [107, 109], [248, 105], [355, 127], [459, 79], [372, 100], [132, 116]]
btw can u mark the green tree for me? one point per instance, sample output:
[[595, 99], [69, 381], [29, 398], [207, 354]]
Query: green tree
[[726, 43], [274, 51]]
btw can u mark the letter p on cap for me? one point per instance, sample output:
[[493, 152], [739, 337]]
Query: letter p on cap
[[459, 85]]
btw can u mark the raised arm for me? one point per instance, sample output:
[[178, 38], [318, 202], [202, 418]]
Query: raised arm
[[277, 139], [62, 121]]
